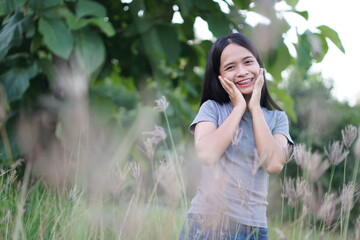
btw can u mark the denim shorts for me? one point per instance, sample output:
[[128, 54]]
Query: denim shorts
[[195, 228]]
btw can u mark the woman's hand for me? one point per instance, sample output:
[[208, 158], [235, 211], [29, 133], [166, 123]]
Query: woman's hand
[[254, 101], [236, 98]]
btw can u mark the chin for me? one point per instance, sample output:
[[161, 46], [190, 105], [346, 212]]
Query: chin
[[246, 91]]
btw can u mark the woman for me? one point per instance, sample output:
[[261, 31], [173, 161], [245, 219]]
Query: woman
[[241, 136]]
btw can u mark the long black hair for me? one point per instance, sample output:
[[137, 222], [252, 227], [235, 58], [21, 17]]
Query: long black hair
[[212, 88]]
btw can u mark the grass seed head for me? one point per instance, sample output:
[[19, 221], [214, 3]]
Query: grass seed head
[[357, 148], [161, 104], [349, 134], [315, 166], [336, 153], [349, 192], [327, 209], [357, 228], [300, 154]]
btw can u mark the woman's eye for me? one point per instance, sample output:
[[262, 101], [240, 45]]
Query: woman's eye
[[229, 68], [249, 61]]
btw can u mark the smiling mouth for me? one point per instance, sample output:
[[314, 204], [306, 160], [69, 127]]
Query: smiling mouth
[[245, 81]]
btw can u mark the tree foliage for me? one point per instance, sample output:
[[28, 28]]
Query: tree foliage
[[132, 51]]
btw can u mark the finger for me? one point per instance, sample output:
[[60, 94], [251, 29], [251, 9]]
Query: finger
[[226, 83], [230, 84], [222, 82], [260, 79]]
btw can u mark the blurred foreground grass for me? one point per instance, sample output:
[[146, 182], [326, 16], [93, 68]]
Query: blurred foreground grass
[[72, 215]]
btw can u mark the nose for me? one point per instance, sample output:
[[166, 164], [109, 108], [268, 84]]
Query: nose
[[242, 71]]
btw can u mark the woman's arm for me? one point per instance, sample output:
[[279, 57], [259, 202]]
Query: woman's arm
[[270, 147], [211, 142]]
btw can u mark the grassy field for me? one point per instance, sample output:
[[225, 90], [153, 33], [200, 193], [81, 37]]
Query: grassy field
[[38, 212], [93, 185]]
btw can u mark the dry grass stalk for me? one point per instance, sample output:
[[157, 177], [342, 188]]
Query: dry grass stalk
[[357, 148], [349, 134], [135, 170], [237, 136], [166, 176], [151, 139], [260, 160], [311, 199], [336, 153], [75, 193], [161, 104], [300, 154], [314, 166], [3, 103], [280, 234], [289, 191], [348, 195], [357, 228], [289, 153], [294, 190], [327, 210]]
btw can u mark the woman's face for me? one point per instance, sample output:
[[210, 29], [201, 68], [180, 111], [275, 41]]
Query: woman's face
[[239, 66]]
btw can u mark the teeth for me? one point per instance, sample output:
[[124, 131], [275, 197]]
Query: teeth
[[244, 82]]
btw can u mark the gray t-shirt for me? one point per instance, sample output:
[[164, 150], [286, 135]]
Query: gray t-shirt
[[230, 186]]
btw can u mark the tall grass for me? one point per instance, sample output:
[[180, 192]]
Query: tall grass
[[85, 181], [40, 211]]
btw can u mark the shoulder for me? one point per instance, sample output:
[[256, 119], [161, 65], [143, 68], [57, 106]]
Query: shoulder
[[211, 105], [275, 118], [274, 114], [209, 112]]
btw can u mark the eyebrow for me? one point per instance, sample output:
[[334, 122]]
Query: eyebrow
[[232, 62]]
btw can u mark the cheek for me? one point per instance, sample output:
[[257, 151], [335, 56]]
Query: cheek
[[228, 75], [255, 69]]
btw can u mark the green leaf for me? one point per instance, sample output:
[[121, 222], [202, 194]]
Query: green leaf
[[12, 32], [186, 29], [332, 35], [205, 5], [292, 3], [31, 30], [324, 47], [49, 13], [243, 4], [36, 42], [118, 94], [90, 8], [73, 22], [303, 48], [103, 107], [169, 42], [36, 4], [57, 37], [287, 103], [16, 80], [279, 60], [218, 25], [90, 51], [7, 156], [189, 52], [7, 6], [304, 14], [185, 7], [140, 26], [105, 27]]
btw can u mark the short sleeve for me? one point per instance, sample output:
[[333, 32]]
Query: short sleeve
[[282, 126], [207, 113]]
